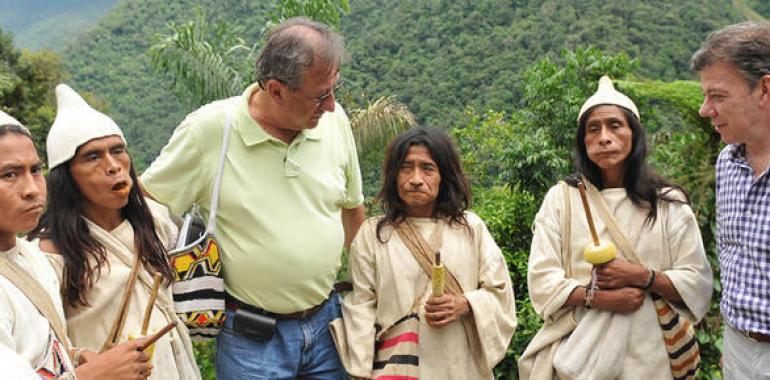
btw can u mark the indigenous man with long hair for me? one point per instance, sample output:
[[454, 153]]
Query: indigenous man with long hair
[[33, 341], [106, 240], [462, 335], [669, 259]]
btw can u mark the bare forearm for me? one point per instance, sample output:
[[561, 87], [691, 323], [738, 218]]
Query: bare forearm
[[663, 286], [577, 297], [623, 300], [351, 220]]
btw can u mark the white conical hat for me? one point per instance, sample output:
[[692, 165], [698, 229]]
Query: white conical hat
[[608, 95], [76, 123], [6, 119]]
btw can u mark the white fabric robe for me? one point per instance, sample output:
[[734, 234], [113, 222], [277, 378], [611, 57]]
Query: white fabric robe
[[672, 245], [25, 335], [386, 278], [89, 326]]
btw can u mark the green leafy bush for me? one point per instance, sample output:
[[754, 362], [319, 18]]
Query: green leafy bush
[[508, 214], [482, 140], [204, 356]]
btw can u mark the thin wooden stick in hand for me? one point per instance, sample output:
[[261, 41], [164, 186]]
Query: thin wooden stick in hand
[[151, 303], [587, 209], [154, 337]]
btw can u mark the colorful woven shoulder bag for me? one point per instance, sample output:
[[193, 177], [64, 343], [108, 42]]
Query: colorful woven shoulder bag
[[199, 289]]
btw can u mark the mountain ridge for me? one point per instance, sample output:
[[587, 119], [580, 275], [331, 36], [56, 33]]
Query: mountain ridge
[[45, 24], [437, 56]]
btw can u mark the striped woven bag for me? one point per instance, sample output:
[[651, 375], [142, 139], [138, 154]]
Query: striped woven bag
[[679, 336], [396, 349]]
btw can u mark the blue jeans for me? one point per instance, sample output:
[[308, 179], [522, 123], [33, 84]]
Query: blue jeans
[[299, 349]]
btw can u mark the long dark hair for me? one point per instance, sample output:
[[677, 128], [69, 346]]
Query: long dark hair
[[643, 185], [454, 195], [63, 224]]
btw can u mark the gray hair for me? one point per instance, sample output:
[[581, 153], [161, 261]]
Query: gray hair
[[290, 50], [746, 46]]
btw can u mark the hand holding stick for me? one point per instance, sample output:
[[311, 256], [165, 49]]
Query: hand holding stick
[[154, 337]]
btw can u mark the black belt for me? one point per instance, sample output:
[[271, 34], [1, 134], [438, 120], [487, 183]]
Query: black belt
[[233, 304]]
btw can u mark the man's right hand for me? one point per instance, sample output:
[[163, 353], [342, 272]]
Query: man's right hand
[[622, 300], [122, 362]]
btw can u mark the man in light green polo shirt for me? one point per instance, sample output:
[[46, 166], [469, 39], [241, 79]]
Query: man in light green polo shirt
[[291, 198]]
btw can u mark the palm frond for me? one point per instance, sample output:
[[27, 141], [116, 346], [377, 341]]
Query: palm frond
[[203, 70], [6, 81], [326, 11], [379, 121]]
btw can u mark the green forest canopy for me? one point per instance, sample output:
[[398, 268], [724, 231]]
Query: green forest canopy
[[437, 56], [506, 77]]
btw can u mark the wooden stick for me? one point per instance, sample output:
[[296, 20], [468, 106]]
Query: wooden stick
[[117, 326], [151, 303], [437, 277], [587, 209], [154, 337]]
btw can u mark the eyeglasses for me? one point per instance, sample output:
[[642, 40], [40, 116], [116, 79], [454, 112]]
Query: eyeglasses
[[322, 98]]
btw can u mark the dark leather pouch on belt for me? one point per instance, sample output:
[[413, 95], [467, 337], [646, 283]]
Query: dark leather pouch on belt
[[252, 325]]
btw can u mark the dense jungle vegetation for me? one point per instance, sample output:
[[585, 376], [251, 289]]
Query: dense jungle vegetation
[[436, 56], [505, 77]]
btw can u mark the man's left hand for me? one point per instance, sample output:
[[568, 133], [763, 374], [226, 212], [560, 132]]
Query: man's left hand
[[441, 311]]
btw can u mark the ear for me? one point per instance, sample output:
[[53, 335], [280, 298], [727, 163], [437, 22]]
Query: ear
[[276, 90], [764, 87]]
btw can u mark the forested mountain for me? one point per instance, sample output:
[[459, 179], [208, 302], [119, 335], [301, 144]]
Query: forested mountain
[[440, 56], [437, 56], [38, 24], [508, 78], [111, 61]]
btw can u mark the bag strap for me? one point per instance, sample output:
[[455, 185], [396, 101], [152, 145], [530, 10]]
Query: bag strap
[[220, 169], [612, 226], [120, 318], [566, 228], [37, 295], [436, 241], [424, 254]]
